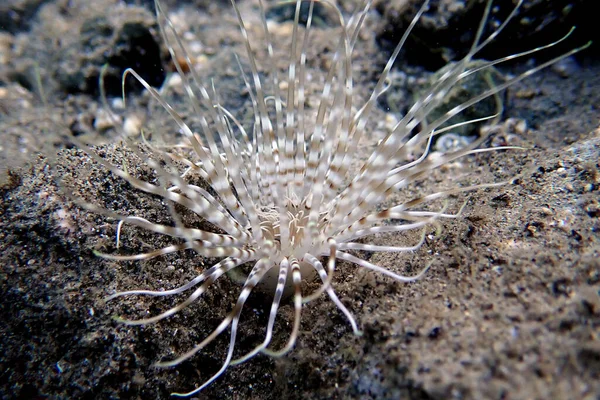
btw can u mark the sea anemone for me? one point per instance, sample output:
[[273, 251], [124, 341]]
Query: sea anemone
[[284, 201]]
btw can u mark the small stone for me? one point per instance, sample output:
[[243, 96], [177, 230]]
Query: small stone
[[435, 332], [521, 127], [117, 103], [545, 211], [526, 94], [390, 121], [104, 121], [196, 47], [132, 125], [173, 81], [281, 30], [201, 60]]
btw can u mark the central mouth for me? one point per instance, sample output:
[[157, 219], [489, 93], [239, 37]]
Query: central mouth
[[300, 236]]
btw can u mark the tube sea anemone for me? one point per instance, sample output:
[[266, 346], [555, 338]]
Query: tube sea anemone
[[283, 200]]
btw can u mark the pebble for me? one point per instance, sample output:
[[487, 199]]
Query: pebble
[[132, 125], [521, 127], [103, 121]]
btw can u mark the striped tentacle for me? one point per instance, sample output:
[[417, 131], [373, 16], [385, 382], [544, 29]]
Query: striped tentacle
[[365, 264], [203, 248], [366, 226], [216, 239], [267, 142], [281, 281], [299, 148], [393, 147], [377, 193], [208, 277], [225, 265], [372, 247], [378, 161], [252, 174], [347, 142], [401, 211], [323, 275], [196, 203], [340, 110], [286, 138], [212, 177], [258, 271], [240, 180], [281, 150], [317, 136], [325, 133], [145, 256], [194, 194], [310, 259], [297, 282], [217, 169], [419, 170]]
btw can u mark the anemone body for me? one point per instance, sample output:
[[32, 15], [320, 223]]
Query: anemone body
[[282, 197]]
